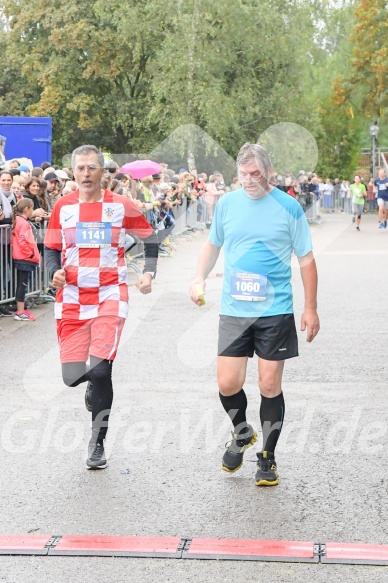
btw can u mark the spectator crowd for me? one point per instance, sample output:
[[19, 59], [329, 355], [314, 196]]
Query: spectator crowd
[[328, 195]]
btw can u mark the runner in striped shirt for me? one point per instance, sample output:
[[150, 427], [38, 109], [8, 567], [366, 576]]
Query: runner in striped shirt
[[84, 253]]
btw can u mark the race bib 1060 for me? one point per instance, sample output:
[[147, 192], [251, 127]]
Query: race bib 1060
[[248, 286], [93, 234]]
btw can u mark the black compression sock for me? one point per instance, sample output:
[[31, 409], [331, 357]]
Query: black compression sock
[[271, 417], [236, 406], [100, 374]]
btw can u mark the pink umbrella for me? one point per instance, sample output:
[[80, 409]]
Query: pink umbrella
[[141, 168]]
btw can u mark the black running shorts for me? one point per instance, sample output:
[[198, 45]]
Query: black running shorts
[[271, 337]]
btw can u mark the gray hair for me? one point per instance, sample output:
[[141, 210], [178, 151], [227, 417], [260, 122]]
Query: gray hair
[[86, 150], [257, 153]]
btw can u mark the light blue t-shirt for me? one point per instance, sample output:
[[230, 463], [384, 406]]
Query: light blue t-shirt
[[259, 237]]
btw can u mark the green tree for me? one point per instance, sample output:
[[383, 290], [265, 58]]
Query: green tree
[[15, 93], [232, 68], [370, 62], [125, 74], [337, 126], [90, 73], [364, 86], [338, 136]]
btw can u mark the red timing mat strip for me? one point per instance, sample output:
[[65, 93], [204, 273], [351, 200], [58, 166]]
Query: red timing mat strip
[[138, 546], [24, 544], [197, 548], [269, 550], [356, 554]]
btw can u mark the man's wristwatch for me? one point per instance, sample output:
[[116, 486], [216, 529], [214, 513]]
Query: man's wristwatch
[[152, 273]]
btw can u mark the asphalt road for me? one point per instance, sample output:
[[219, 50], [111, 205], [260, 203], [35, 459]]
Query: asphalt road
[[168, 430]]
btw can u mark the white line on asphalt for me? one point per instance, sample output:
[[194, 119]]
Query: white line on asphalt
[[361, 252]]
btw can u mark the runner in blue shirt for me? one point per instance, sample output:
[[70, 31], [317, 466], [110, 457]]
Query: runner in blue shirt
[[381, 187], [259, 227]]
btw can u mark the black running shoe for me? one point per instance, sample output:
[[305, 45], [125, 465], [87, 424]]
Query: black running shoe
[[233, 457], [4, 311], [267, 473], [88, 396], [96, 459]]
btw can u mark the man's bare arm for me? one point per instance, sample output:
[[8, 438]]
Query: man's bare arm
[[206, 261], [309, 319]]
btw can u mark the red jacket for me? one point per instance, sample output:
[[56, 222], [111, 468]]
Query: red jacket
[[291, 192], [24, 247]]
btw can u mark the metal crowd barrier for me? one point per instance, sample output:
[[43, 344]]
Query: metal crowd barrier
[[179, 213], [337, 203], [312, 210], [39, 279], [330, 202]]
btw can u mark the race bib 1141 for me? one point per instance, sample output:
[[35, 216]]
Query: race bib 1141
[[93, 234]]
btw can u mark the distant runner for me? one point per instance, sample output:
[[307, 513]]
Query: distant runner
[[381, 187], [358, 191]]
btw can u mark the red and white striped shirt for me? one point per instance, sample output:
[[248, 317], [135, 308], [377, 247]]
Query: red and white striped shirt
[[91, 237]]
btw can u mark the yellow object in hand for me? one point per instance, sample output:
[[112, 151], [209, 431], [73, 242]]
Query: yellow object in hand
[[200, 294]]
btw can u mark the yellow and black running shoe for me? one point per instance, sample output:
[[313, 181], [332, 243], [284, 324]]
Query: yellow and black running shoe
[[233, 457], [267, 472]]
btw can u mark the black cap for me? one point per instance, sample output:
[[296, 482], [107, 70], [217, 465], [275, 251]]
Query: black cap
[[50, 176]]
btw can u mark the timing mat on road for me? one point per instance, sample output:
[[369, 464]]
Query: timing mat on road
[[193, 548]]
